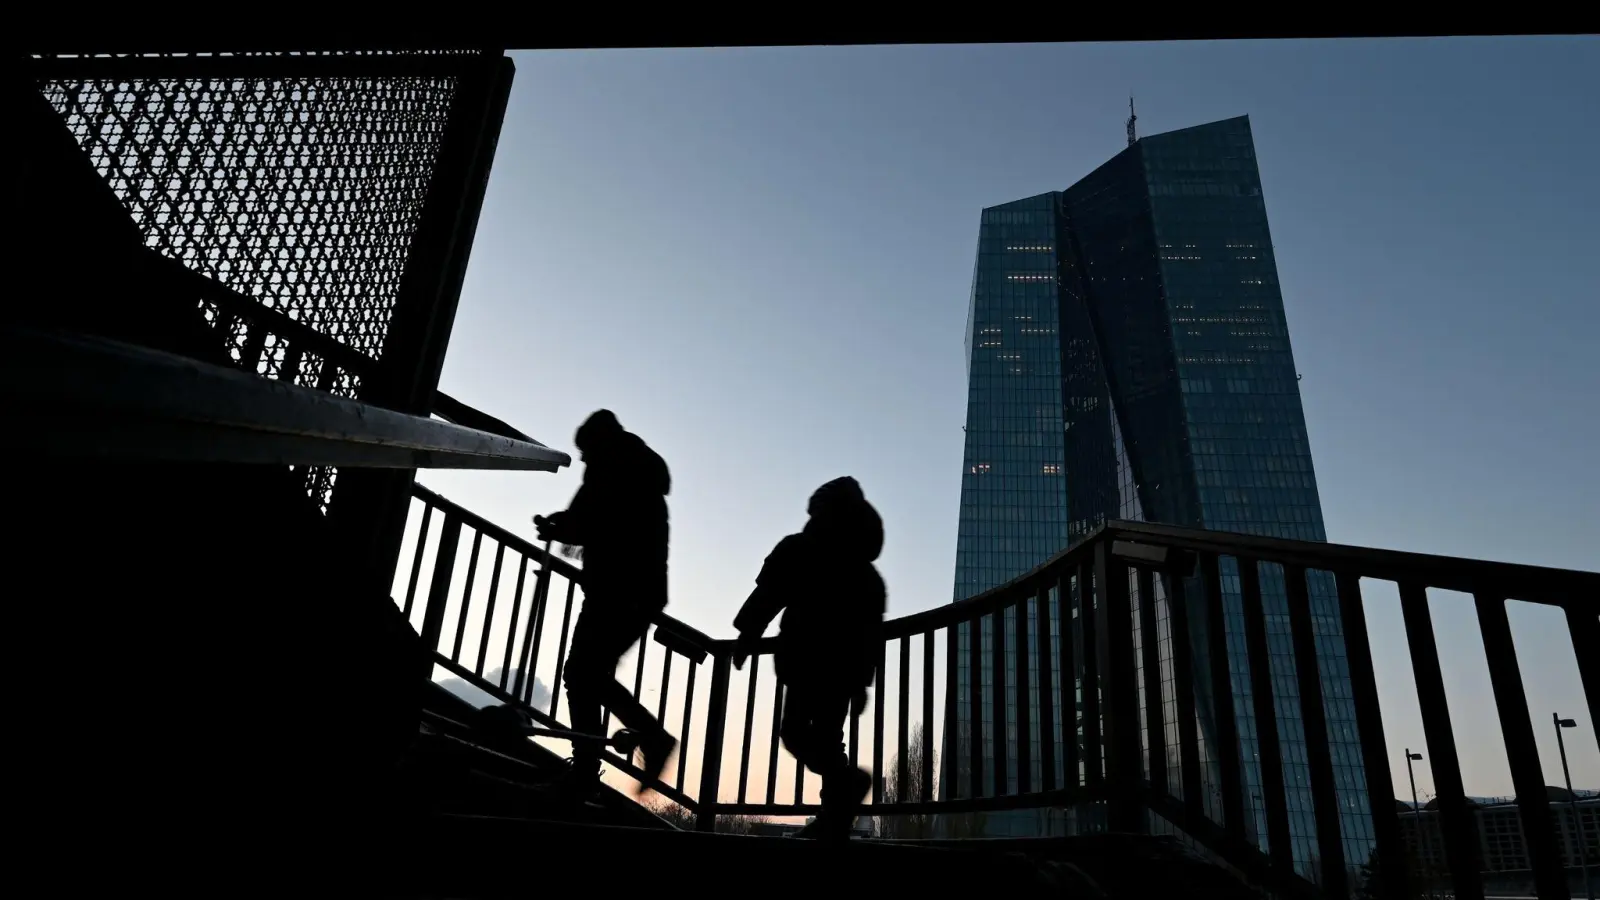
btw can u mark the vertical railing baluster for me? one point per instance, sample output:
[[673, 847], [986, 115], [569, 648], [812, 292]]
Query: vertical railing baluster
[[777, 726], [466, 595], [292, 354], [1183, 687], [1268, 749], [416, 558], [903, 718], [1584, 628], [1313, 718], [687, 724], [1374, 749], [799, 782], [749, 725], [638, 674], [488, 608], [1067, 674], [1455, 816], [327, 374], [535, 639], [1155, 716], [997, 698], [1023, 670], [1088, 617], [511, 629], [879, 696], [255, 343], [1522, 752], [952, 701], [975, 703], [561, 646], [444, 564], [928, 751], [1230, 769], [530, 641], [709, 796], [1047, 687], [1114, 635], [666, 685], [855, 731]]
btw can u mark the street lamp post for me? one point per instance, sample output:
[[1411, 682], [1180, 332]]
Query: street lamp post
[[1572, 802], [1416, 808]]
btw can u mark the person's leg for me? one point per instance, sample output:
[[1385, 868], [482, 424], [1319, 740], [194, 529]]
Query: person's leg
[[589, 662], [593, 684], [844, 786], [798, 728]]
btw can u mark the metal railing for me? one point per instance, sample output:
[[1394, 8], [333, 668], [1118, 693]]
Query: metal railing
[[1134, 753]]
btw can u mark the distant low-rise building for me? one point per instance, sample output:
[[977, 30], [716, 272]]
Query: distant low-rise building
[[1502, 846], [785, 829]]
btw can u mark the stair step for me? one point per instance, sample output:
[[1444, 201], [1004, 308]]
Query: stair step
[[515, 857]]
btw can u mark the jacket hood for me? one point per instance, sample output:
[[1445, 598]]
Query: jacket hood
[[634, 457], [843, 520]]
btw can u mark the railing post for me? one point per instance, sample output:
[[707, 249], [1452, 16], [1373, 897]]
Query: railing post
[[1264, 703], [1522, 751], [1456, 819], [444, 565], [716, 726], [1390, 847], [1114, 637], [1230, 771], [1313, 719], [1183, 675]]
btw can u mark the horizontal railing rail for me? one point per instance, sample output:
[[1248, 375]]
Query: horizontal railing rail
[[1136, 714]]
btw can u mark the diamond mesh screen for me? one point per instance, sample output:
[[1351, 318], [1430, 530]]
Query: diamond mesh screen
[[297, 180], [302, 193]]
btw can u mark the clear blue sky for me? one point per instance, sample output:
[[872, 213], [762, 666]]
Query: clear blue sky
[[760, 259]]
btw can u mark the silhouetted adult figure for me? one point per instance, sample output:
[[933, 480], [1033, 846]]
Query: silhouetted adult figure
[[619, 518], [832, 598]]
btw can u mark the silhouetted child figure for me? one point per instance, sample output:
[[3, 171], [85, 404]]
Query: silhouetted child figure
[[832, 598]]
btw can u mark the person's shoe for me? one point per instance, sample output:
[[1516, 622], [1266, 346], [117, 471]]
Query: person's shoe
[[842, 796], [857, 784], [812, 830], [576, 785], [655, 750]]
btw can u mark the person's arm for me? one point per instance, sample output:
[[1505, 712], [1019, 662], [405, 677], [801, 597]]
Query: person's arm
[[571, 525], [771, 596]]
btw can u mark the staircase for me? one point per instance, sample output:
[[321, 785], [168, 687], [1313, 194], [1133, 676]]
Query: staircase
[[484, 802]]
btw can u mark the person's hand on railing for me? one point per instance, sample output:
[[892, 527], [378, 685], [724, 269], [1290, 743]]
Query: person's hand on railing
[[550, 527], [744, 648]]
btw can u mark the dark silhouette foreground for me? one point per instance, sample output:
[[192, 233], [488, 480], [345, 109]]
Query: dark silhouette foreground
[[619, 519], [833, 601]]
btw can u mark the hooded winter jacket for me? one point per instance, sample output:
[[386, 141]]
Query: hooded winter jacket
[[832, 598]]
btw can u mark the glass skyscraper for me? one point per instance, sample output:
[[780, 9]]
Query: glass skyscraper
[[1128, 358]]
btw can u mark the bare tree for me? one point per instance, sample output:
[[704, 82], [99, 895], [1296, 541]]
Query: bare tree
[[909, 761], [679, 817], [913, 826]]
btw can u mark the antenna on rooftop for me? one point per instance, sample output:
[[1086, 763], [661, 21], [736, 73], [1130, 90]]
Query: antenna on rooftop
[[1132, 118]]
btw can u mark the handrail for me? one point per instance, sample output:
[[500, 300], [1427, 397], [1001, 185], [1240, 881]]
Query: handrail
[[91, 396], [304, 338], [1532, 584], [1114, 599]]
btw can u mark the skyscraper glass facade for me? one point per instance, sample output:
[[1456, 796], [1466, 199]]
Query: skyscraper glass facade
[[1129, 358]]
